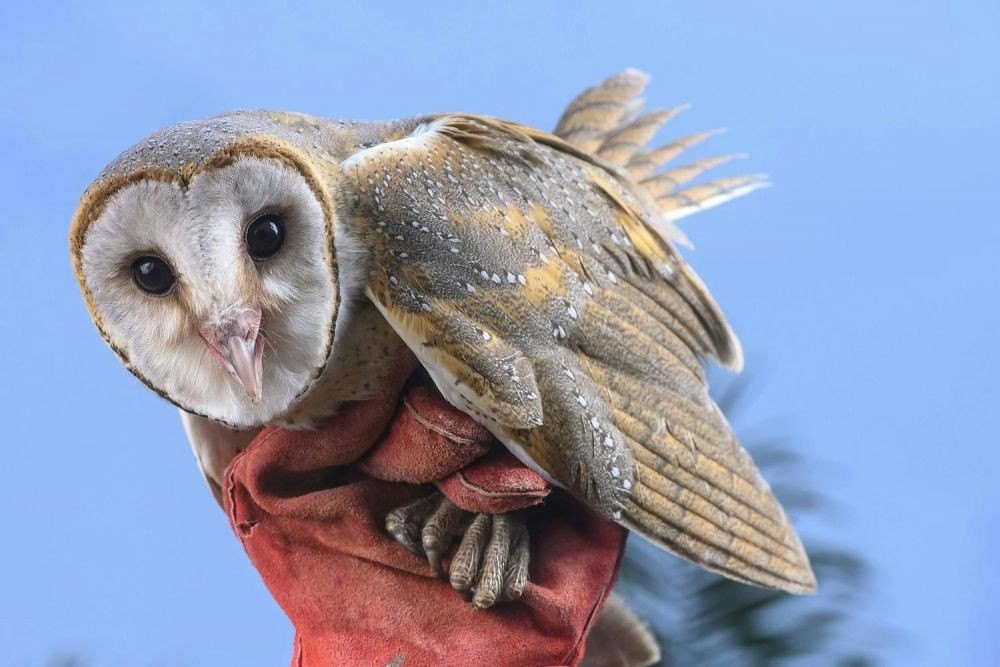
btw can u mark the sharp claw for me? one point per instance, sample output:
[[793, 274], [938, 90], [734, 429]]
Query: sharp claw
[[491, 563], [434, 560], [483, 600], [402, 535], [403, 523], [516, 577], [438, 532]]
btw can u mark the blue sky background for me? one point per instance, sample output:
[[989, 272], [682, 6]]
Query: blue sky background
[[864, 285]]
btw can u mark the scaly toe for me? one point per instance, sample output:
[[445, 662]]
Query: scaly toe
[[491, 576], [438, 532], [465, 565], [403, 523]]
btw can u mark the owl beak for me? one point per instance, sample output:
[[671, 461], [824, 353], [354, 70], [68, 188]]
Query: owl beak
[[244, 356], [238, 346]]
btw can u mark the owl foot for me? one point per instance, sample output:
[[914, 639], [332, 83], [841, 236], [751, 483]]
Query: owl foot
[[492, 560], [491, 563]]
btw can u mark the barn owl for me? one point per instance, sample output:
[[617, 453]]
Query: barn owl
[[265, 267]]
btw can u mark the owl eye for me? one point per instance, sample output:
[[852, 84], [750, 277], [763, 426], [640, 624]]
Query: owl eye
[[152, 275], [264, 236]]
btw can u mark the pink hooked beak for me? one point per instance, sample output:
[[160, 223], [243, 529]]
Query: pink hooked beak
[[238, 346]]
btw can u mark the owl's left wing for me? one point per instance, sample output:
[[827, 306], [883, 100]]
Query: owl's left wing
[[455, 217], [527, 279]]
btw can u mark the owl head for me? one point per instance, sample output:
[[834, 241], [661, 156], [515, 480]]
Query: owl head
[[206, 257]]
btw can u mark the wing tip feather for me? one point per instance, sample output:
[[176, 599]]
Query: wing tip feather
[[800, 580]]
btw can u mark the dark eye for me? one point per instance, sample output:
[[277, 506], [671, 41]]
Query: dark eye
[[265, 236], [152, 275]]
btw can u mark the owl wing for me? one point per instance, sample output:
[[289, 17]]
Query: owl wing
[[527, 278]]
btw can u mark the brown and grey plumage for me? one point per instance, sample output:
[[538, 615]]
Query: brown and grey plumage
[[545, 304], [533, 276]]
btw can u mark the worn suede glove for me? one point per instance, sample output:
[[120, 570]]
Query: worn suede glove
[[310, 508]]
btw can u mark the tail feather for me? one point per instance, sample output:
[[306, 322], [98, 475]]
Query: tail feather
[[708, 195], [621, 145], [603, 121], [668, 181], [646, 163], [597, 111]]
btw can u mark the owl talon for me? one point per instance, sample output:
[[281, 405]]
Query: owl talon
[[447, 521], [403, 523], [504, 571], [491, 563], [516, 578], [465, 564]]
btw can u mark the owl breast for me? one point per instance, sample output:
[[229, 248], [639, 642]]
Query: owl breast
[[367, 352]]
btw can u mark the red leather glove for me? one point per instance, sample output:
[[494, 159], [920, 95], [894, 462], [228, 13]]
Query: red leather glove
[[429, 440], [309, 508]]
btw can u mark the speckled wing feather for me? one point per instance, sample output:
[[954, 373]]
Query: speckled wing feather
[[528, 278]]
